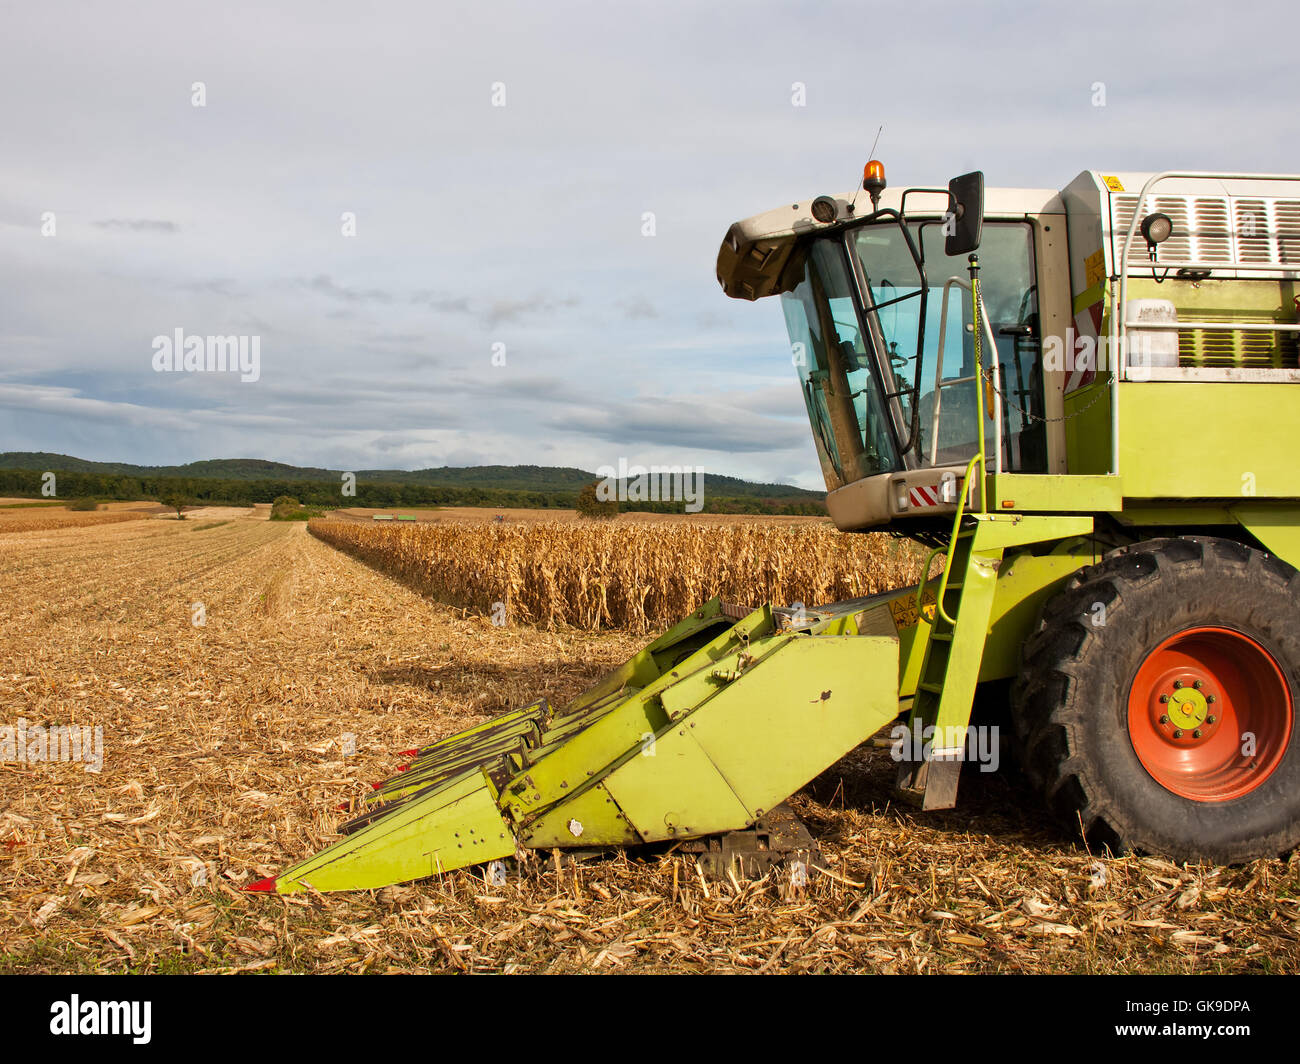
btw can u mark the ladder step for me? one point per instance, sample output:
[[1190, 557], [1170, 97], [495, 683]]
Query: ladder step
[[933, 688], [944, 636]]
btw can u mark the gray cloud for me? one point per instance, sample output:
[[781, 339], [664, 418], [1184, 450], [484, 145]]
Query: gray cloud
[[139, 225], [690, 424], [442, 303], [634, 309], [225, 287], [325, 285], [513, 310]]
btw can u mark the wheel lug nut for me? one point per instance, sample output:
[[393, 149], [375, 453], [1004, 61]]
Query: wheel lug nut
[[1210, 698], [1196, 734], [1164, 719], [1177, 734], [1198, 685], [1164, 698], [1211, 719], [1178, 685]]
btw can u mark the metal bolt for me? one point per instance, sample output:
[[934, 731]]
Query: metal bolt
[[1164, 719], [1198, 685], [1178, 685], [1211, 719], [1210, 698], [1177, 734], [1196, 734], [1164, 698]]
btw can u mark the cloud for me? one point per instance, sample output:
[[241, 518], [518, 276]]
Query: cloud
[[226, 287], [139, 225], [682, 423], [441, 303], [497, 311], [512, 310], [640, 307], [325, 285], [68, 402]]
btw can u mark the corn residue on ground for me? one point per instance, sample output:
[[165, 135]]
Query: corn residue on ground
[[227, 745]]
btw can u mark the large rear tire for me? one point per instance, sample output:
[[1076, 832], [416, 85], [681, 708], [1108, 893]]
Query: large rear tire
[[1156, 703]]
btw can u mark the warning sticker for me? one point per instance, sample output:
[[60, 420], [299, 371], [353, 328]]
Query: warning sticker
[[1113, 183], [903, 609], [1094, 267], [924, 495]]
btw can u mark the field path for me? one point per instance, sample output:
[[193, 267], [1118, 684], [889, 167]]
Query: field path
[[227, 745]]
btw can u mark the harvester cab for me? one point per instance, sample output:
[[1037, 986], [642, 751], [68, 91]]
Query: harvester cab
[[1083, 403], [1062, 394]]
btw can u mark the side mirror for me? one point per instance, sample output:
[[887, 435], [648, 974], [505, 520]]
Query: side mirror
[[966, 202]]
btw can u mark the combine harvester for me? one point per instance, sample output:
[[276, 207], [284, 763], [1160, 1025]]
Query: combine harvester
[[1082, 400]]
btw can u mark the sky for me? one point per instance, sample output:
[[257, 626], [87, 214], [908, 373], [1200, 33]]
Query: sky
[[502, 298]]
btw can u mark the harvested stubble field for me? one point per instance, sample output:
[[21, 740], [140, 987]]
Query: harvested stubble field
[[638, 577], [226, 749]]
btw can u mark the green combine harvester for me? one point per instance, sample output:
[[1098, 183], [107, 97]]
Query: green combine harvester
[[1080, 401]]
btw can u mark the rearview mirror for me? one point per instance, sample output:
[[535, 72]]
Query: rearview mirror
[[966, 220]]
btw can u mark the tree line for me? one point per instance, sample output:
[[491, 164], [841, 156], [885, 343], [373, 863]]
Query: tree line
[[28, 483]]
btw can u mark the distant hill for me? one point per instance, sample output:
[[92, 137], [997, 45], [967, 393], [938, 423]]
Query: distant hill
[[491, 478]]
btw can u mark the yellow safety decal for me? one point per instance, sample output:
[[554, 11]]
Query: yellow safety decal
[[1113, 183], [903, 610], [1094, 268]]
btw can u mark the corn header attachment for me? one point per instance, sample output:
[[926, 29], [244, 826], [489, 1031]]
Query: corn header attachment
[[697, 739]]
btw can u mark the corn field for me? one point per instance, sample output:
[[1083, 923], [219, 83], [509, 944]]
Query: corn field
[[36, 521], [635, 577]]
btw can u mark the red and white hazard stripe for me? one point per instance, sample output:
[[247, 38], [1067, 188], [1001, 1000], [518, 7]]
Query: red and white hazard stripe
[[925, 495]]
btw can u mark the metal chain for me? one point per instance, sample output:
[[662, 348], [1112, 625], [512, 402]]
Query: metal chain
[[1031, 417]]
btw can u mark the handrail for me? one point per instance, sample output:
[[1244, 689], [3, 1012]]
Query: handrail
[[1221, 326], [1119, 324], [976, 459], [1221, 264], [996, 373], [976, 317], [940, 383], [952, 548], [925, 574]]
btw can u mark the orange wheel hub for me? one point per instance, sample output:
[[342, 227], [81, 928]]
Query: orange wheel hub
[[1210, 714]]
